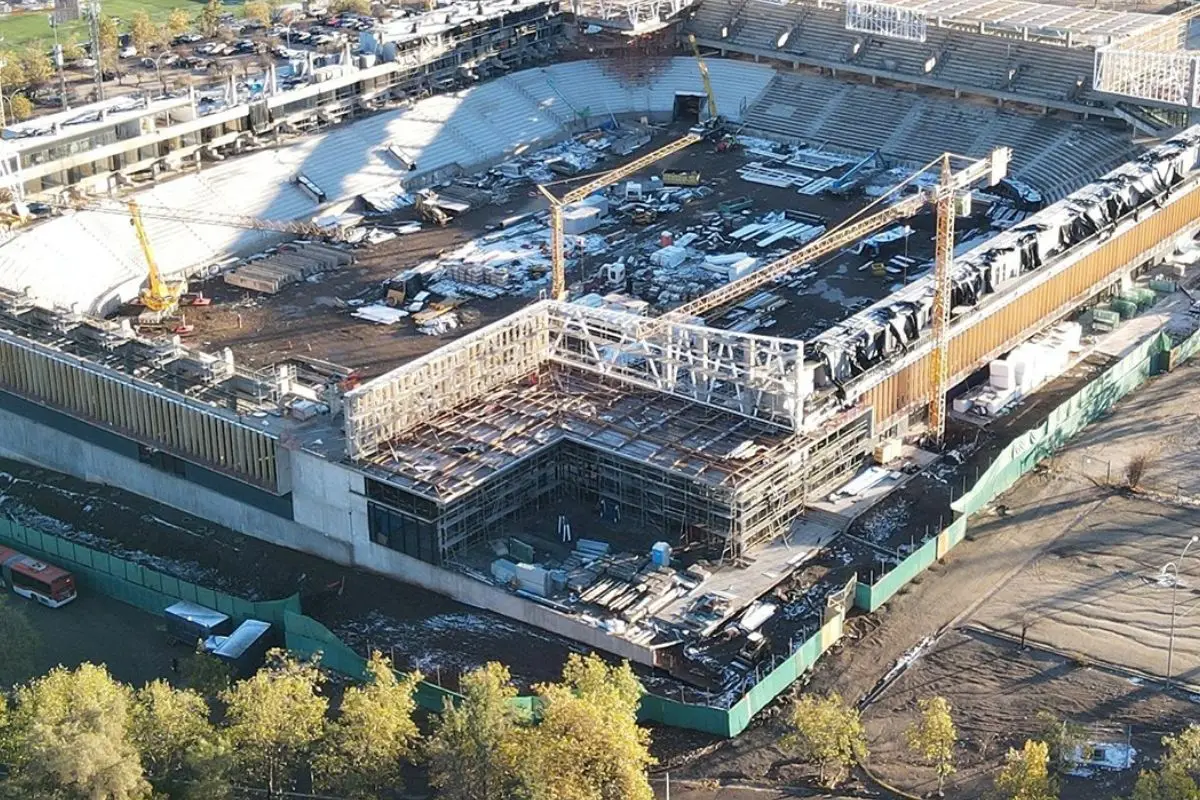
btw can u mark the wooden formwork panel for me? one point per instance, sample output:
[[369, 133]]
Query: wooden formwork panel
[[998, 331]]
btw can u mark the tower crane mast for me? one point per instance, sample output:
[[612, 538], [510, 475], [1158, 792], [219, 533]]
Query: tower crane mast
[[558, 280]]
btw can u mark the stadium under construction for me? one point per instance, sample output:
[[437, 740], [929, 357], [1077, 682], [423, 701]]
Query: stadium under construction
[[646, 472]]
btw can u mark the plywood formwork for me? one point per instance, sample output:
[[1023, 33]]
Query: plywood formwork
[[137, 409], [1009, 318]]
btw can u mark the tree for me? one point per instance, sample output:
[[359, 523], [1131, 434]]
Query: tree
[[275, 719], [1066, 741], [588, 745], [12, 74], [167, 726], [178, 22], [210, 18], [109, 37], [829, 733], [36, 65], [20, 107], [144, 34], [934, 736], [257, 11], [353, 6], [19, 654], [1176, 777], [73, 50], [373, 736], [1026, 774], [68, 734], [206, 673], [471, 752]]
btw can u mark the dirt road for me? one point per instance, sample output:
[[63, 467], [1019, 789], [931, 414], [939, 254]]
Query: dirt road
[[1056, 513]]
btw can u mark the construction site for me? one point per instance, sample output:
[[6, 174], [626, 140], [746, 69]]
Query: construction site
[[628, 327]]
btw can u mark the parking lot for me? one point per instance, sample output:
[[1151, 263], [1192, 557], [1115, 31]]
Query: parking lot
[[101, 630]]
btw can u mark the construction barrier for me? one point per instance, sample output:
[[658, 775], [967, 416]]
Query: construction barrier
[[133, 583], [153, 591], [1153, 356]]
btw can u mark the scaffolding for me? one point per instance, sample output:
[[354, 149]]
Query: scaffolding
[[1154, 65], [883, 19]]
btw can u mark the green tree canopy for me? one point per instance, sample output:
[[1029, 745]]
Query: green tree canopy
[[1026, 774], [275, 720], [1175, 779], [373, 736], [828, 733], [588, 745], [168, 727], [933, 737], [178, 22], [144, 34], [69, 735], [472, 751], [210, 18]]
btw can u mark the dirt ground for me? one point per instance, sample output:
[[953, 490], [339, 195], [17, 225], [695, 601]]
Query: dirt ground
[[311, 319], [101, 630], [419, 628], [1064, 525]]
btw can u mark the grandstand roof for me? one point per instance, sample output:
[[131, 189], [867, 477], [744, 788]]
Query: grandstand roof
[[1085, 22]]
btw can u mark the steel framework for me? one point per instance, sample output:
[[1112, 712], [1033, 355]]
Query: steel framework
[[884, 19], [758, 377], [754, 376], [629, 16], [1153, 65]]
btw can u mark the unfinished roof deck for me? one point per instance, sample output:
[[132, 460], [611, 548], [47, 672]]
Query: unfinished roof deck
[[461, 448]]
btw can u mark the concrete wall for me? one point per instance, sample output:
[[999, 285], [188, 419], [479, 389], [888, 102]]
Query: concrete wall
[[45, 446], [465, 589], [330, 512]]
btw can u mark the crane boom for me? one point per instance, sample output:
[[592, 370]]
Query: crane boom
[[708, 90], [558, 278], [158, 295], [635, 166], [204, 217], [827, 244]]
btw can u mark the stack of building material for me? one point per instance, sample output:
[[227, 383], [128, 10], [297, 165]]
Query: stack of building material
[[380, 314], [757, 172], [533, 579], [1105, 319], [671, 256], [291, 263]]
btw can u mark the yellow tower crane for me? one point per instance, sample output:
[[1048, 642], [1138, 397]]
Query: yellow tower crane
[[163, 296], [558, 280], [943, 197]]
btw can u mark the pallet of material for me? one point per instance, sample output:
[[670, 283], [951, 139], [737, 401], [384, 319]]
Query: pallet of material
[[817, 186], [254, 284], [328, 253]]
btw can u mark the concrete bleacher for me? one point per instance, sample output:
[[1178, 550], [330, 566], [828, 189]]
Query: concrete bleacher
[[101, 263], [963, 60], [1053, 155]]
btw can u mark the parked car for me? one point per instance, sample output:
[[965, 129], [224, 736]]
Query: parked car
[[83, 63], [128, 52], [187, 38]]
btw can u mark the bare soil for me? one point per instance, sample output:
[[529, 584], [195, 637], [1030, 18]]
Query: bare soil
[[1065, 527]]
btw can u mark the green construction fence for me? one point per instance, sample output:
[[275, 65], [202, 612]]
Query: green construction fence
[[134, 584], [153, 591], [1093, 401]]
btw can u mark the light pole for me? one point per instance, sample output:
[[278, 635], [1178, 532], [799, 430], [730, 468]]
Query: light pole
[[1174, 567], [158, 70], [3, 119]]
